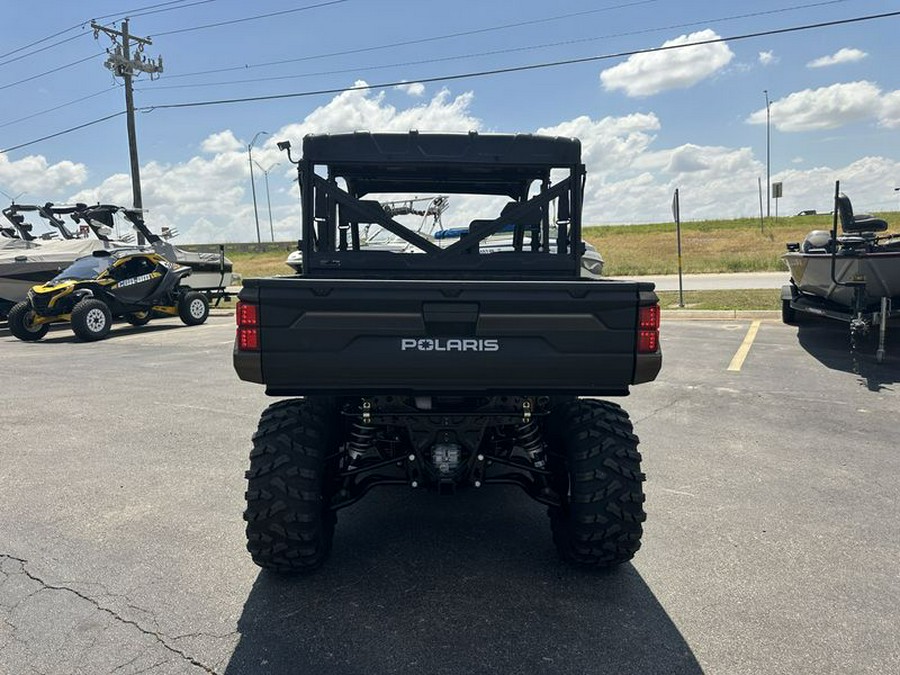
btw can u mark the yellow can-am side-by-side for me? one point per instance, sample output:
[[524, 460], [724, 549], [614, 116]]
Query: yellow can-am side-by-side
[[95, 289]]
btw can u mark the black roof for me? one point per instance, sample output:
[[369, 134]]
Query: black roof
[[502, 164]]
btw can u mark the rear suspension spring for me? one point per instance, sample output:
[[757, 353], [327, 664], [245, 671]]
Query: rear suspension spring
[[531, 441], [361, 440]]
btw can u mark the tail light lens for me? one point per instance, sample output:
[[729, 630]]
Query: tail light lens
[[247, 317], [648, 329]]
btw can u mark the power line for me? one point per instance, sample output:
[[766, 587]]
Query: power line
[[52, 70], [61, 105], [139, 11], [433, 38], [152, 9], [251, 18], [37, 42], [494, 52], [534, 66], [43, 49], [63, 132], [483, 73]]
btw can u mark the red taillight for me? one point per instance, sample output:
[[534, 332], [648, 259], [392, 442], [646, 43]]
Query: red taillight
[[247, 317], [648, 329], [247, 314], [248, 339]]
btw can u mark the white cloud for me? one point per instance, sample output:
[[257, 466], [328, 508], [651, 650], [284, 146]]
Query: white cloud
[[224, 141], [208, 197], [832, 107], [843, 55], [609, 144], [655, 72], [362, 109], [889, 112], [768, 58], [630, 178], [413, 88], [34, 176]]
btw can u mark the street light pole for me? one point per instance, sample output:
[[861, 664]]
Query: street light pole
[[268, 201], [253, 182], [768, 162]]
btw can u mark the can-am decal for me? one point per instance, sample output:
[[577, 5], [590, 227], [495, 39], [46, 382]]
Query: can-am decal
[[137, 280], [449, 345]]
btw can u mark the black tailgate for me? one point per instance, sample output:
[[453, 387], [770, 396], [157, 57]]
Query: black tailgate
[[358, 337]]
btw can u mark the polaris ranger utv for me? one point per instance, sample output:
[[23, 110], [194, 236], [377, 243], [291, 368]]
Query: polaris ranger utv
[[451, 367]]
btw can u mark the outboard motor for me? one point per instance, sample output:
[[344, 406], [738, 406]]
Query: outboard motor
[[817, 240]]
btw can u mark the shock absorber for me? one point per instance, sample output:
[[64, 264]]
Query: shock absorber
[[529, 439], [362, 436]]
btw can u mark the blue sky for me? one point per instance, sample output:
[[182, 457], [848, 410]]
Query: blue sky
[[691, 118]]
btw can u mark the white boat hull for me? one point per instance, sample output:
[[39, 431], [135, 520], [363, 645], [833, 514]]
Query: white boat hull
[[20, 269]]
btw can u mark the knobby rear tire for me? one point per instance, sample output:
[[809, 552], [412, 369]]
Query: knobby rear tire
[[290, 526], [598, 472]]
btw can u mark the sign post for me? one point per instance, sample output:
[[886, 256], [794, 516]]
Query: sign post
[[676, 213], [776, 193]]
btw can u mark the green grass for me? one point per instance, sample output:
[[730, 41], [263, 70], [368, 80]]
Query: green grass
[[740, 300], [707, 246]]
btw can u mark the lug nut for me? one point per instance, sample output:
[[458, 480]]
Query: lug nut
[[412, 458], [414, 484], [477, 483], [480, 458]]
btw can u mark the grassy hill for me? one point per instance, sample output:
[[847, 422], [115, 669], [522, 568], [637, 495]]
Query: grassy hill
[[706, 246]]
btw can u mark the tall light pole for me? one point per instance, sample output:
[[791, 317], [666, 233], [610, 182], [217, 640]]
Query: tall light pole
[[768, 161], [252, 181], [268, 201]]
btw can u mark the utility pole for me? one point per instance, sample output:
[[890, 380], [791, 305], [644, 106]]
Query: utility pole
[[121, 63]]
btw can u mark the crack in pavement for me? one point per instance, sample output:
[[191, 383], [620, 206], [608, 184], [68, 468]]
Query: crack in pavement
[[159, 638], [654, 413]]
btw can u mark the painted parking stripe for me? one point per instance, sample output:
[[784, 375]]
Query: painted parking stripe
[[738, 361]]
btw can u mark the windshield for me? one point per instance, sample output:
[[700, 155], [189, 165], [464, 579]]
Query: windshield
[[84, 268]]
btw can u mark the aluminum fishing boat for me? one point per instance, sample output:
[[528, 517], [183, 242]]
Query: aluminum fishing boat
[[853, 277]]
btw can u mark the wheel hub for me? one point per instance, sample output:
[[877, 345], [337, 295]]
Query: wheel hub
[[95, 320]]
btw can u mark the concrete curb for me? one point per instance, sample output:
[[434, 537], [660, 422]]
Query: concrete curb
[[719, 314]]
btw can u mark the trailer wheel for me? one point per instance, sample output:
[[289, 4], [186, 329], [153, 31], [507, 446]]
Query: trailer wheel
[[598, 478], [193, 308], [139, 318], [788, 313], [290, 524], [21, 323], [91, 319]]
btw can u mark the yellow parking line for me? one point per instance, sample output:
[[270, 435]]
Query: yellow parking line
[[744, 349]]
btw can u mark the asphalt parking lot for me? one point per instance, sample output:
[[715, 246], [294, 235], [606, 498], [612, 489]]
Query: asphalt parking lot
[[771, 544]]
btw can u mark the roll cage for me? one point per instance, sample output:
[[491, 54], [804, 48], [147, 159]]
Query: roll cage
[[414, 163]]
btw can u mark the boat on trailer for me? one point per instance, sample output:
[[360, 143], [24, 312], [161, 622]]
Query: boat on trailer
[[852, 277]]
